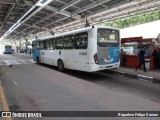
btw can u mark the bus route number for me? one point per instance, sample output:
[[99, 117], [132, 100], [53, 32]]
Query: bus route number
[[82, 53]]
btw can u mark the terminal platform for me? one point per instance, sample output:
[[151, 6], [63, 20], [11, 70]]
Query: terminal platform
[[150, 75]]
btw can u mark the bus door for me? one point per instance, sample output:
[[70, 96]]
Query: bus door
[[108, 48], [36, 50]]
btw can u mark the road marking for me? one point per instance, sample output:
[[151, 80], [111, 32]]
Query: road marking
[[16, 83], [146, 78], [7, 62], [7, 74], [16, 62], [4, 102]]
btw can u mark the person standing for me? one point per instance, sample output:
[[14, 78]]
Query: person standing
[[141, 54]]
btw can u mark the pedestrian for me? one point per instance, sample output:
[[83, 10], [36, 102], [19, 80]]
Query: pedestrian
[[30, 51], [141, 54], [25, 51]]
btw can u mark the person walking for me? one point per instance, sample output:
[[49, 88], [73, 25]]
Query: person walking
[[141, 54]]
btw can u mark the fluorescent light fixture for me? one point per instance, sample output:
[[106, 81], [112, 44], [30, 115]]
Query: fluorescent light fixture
[[25, 14], [70, 5], [43, 3], [12, 29]]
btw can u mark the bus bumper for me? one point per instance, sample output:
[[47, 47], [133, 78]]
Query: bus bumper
[[94, 67]]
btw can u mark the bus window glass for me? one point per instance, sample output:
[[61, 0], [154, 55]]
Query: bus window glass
[[68, 42], [37, 45], [59, 43], [47, 44], [107, 36], [50, 44], [80, 40], [53, 43], [41, 45], [33, 45]]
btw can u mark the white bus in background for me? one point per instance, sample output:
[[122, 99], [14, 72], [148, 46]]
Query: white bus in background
[[88, 49]]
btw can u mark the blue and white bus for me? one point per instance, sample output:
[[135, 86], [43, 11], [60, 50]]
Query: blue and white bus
[[87, 49], [7, 49]]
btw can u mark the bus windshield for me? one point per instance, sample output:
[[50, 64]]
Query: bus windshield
[[106, 36]]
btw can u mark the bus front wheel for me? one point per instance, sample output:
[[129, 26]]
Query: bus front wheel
[[60, 66]]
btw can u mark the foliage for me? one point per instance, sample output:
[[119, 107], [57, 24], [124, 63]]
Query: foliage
[[136, 20]]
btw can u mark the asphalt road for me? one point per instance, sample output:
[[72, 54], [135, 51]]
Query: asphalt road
[[29, 86]]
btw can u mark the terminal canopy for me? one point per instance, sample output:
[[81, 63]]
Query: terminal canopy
[[28, 18]]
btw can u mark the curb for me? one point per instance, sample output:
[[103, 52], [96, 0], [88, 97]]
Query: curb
[[140, 77], [4, 102]]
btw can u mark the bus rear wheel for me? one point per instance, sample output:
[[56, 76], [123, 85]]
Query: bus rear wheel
[[60, 66]]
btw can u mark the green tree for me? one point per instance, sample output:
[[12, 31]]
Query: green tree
[[141, 19]]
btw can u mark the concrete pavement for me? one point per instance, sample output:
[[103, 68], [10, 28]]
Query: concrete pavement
[[151, 75]]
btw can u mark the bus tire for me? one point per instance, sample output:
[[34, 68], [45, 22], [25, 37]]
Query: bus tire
[[60, 65], [37, 60]]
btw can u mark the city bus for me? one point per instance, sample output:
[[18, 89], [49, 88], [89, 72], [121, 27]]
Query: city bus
[[7, 49], [87, 49]]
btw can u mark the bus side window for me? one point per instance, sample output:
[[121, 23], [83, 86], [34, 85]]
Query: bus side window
[[80, 40], [48, 44], [68, 42], [33, 46], [45, 45], [40, 45], [37, 45], [59, 43], [53, 43]]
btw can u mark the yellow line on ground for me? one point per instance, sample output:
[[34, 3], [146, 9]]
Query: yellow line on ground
[[4, 102]]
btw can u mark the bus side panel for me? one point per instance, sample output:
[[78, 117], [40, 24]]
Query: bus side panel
[[45, 54], [49, 57], [56, 55], [92, 48], [80, 60], [81, 56], [36, 53], [67, 57]]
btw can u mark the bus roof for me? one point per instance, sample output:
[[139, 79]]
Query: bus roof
[[75, 31]]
